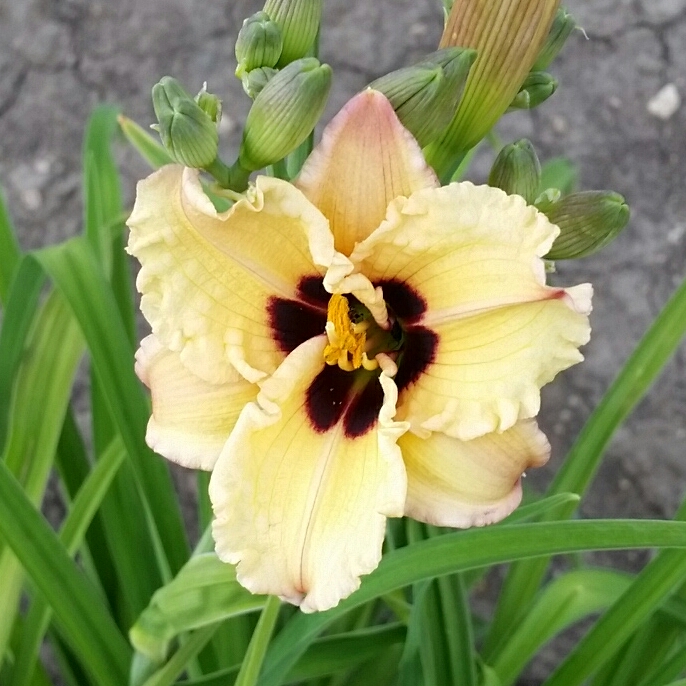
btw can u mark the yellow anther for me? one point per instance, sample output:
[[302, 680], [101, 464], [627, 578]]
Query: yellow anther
[[346, 340]]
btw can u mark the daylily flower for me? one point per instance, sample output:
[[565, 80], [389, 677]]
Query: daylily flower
[[361, 344]]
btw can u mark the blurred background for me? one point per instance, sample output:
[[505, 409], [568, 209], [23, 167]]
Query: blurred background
[[617, 116]]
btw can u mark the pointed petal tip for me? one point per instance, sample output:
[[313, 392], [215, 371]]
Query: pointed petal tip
[[365, 160]]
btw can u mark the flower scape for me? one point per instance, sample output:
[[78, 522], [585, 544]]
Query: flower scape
[[361, 343]]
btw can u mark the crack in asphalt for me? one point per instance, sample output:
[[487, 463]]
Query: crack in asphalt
[[15, 90]]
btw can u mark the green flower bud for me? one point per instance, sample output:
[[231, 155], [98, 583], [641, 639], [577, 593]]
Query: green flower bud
[[285, 112], [259, 44], [517, 170], [545, 201], [507, 41], [536, 89], [563, 25], [425, 96], [187, 132], [210, 104], [588, 221], [299, 23], [254, 81]]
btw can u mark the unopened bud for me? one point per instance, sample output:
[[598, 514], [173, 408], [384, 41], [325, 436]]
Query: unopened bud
[[588, 221], [254, 81], [187, 132], [507, 39], [563, 25], [210, 104], [259, 44], [517, 170], [545, 201], [285, 112], [425, 96], [299, 23], [536, 89]]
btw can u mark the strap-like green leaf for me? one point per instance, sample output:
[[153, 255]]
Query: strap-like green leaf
[[466, 550], [79, 612], [9, 252], [564, 601], [38, 405], [642, 368], [78, 519], [17, 319], [202, 593], [74, 270]]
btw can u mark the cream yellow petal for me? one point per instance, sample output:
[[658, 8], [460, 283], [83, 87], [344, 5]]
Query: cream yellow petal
[[486, 370], [302, 512], [469, 483], [366, 159], [461, 249], [206, 278], [191, 418]]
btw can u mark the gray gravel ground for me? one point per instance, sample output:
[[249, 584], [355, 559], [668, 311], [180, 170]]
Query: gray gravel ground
[[58, 58]]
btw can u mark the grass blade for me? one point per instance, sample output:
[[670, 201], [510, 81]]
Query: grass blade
[[20, 312], [75, 272], [566, 600], [148, 148], [641, 369], [657, 581], [78, 519], [252, 663], [39, 403], [10, 252], [465, 550], [79, 612], [101, 192]]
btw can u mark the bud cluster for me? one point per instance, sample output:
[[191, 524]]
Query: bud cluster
[[449, 101]]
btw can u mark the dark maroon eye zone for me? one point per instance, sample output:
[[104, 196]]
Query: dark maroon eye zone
[[332, 397], [336, 395], [311, 288], [404, 301], [364, 409], [293, 322], [419, 351]]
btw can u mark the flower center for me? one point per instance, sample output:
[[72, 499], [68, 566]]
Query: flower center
[[355, 340]]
